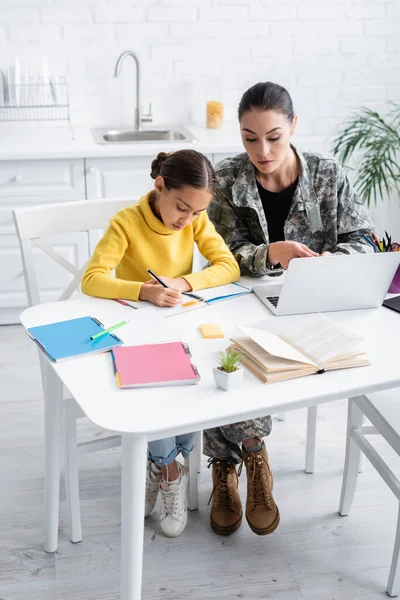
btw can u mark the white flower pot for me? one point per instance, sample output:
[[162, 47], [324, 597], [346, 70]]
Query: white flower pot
[[228, 381]]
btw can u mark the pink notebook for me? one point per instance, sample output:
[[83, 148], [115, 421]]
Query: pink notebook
[[153, 365]]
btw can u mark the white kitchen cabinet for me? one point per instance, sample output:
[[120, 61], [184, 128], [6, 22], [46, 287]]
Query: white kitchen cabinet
[[118, 177], [36, 182]]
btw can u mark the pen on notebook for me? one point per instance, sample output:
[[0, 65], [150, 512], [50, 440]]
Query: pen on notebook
[[190, 294], [97, 335]]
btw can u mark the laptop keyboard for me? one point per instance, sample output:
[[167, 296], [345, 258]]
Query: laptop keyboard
[[274, 300]]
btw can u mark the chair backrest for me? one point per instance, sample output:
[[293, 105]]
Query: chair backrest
[[34, 223]]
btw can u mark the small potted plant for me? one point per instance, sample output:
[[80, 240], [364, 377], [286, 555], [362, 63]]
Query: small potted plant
[[228, 374]]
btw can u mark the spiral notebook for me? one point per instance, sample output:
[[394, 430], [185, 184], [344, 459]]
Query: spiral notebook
[[153, 365], [67, 339]]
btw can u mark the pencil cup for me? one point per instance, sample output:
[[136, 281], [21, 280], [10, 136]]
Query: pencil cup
[[395, 285]]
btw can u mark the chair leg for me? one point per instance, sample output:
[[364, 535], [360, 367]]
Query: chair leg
[[311, 436], [198, 449], [72, 476], [393, 586], [192, 464], [352, 459]]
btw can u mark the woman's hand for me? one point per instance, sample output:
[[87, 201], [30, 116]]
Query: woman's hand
[[159, 295], [283, 252], [179, 284]]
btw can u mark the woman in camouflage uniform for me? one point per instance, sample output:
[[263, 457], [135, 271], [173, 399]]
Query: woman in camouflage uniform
[[272, 203]]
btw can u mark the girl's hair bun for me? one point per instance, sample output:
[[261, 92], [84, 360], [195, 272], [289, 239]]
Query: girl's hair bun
[[157, 164]]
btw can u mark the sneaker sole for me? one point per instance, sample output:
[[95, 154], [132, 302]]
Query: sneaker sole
[[267, 530], [226, 530]]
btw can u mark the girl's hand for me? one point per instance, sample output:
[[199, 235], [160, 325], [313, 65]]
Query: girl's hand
[[326, 253], [159, 295], [179, 284], [283, 252]]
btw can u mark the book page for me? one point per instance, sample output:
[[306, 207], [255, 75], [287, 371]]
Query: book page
[[322, 340], [276, 345]]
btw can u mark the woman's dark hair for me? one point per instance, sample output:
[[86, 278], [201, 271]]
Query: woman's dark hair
[[184, 168], [267, 96]]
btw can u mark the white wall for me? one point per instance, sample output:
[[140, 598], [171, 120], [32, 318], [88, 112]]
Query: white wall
[[330, 54]]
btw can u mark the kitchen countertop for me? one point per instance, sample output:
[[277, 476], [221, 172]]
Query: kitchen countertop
[[33, 141]]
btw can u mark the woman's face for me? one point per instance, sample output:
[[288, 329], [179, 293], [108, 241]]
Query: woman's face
[[266, 138], [179, 208]]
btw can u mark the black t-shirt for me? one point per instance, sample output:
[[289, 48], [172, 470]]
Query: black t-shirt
[[276, 208]]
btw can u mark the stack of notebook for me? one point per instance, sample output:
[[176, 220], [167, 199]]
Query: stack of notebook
[[317, 346], [153, 365]]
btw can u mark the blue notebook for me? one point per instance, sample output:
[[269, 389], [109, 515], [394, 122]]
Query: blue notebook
[[67, 339]]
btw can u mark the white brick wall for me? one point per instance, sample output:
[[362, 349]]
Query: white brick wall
[[330, 54]]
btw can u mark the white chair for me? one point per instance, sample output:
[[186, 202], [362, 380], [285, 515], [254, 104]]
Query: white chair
[[383, 412], [32, 225]]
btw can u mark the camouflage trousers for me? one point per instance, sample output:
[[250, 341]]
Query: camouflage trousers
[[225, 442]]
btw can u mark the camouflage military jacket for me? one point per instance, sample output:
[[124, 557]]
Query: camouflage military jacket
[[325, 214]]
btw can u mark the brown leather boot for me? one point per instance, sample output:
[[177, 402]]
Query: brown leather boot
[[226, 508], [262, 513]]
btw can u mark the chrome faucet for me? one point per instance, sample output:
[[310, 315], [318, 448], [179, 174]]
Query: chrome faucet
[[138, 119]]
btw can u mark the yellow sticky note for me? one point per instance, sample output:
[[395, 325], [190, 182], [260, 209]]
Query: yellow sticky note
[[211, 330]]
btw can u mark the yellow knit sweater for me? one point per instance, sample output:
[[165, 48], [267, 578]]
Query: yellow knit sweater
[[137, 240]]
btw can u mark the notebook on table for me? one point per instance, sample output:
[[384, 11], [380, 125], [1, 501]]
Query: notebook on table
[[153, 365], [67, 339], [208, 297], [316, 346]]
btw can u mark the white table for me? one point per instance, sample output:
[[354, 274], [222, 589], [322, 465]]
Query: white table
[[144, 415]]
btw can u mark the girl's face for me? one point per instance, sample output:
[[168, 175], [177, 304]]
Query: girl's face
[[179, 208], [266, 138]]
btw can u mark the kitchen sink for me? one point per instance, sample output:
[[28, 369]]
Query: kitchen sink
[[131, 136]]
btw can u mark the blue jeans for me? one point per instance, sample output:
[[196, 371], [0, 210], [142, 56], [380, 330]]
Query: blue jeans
[[163, 452]]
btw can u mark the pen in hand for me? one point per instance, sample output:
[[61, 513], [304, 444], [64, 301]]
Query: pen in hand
[[156, 278], [190, 294], [105, 331]]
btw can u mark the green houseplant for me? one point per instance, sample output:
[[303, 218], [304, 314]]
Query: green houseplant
[[228, 374], [374, 144]]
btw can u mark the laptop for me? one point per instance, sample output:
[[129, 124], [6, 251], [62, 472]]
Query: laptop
[[331, 283]]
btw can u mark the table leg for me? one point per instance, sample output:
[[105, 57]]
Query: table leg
[[133, 475], [311, 435], [53, 394]]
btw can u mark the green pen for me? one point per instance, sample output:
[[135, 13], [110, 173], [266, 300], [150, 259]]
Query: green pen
[[97, 335]]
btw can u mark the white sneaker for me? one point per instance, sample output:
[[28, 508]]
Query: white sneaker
[[173, 515], [152, 488]]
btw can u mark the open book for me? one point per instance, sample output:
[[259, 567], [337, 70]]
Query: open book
[[318, 345]]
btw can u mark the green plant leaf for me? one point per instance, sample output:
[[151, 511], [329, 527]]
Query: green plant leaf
[[228, 360], [375, 143]]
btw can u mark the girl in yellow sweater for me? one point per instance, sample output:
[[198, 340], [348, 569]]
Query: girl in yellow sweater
[[159, 233]]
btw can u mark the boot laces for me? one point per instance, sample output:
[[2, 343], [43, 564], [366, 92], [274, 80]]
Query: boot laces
[[222, 489], [257, 469]]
